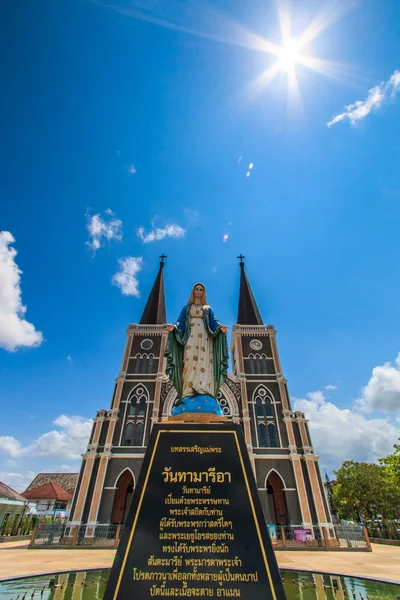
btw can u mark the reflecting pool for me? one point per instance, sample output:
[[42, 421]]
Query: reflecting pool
[[90, 585]]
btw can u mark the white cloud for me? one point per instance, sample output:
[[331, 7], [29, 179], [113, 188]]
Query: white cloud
[[157, 233], [15, 331], [17, 481], [69, 359], [67, 442], [214, 269], [126, 279], [382, 393], [374, 100], [10, 446], [225, 237], [100, 229], [131, 169], [395, 82], [331, 387], [340, 434], [240, 159], [316, 397], [108, 211]]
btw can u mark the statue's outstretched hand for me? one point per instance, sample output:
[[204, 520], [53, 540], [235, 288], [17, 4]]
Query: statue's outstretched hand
[[224, 329], [170, 327]]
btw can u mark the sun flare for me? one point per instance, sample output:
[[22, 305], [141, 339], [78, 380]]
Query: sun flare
[[289, 55], [294, 55]]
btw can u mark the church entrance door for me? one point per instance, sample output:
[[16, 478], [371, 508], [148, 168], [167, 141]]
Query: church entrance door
[[123, 498], [277, 507]]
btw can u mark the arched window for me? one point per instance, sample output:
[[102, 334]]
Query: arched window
[[132, 406], [145, 363], [262, 435], [128, 435], [141, 406], [250, 359], [138, 436], [263, 407], [268, 407], [263, 414], [259, 408], [138, 407], [138, 404], [271, 436]]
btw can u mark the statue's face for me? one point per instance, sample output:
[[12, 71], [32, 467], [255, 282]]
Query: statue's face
[[198, 291]]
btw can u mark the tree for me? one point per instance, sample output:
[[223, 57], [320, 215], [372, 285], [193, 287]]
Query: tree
[[392, 465], [366, 492], [356, 495]]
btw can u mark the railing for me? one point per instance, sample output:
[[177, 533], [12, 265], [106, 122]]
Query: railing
[[352, 536], [298, 537], [284, 537], [99, 536], [49, 534], [386, 533]]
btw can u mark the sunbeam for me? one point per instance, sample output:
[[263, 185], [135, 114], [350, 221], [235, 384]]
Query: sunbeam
[[331, 13], [295, 52], [194, 18], [199, 19]]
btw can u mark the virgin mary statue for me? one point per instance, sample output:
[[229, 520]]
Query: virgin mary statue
[[197, 350]]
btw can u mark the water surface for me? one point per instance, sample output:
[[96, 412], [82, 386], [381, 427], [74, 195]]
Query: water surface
[[90, 585]]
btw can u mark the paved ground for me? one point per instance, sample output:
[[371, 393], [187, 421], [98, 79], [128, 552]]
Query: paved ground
[[383, 563]]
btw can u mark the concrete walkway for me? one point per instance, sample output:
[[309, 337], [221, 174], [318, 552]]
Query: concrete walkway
[[383, 563]]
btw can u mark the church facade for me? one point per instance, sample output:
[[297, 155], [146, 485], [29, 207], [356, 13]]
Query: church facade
[[255, 395]]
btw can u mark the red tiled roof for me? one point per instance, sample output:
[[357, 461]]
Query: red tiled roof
[[7, 492], [48, 491], [67, 481]]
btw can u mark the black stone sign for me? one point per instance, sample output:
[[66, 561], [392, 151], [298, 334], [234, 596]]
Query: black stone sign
[[195, 527]]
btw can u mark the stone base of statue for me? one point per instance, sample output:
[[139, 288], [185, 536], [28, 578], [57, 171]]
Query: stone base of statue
[[195, 527], [190, 417]]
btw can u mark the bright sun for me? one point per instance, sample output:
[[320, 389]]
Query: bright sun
[[292, 53], [289, 55]]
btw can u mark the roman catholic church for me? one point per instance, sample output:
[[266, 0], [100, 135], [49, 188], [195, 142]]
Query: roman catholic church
[[255, 395]]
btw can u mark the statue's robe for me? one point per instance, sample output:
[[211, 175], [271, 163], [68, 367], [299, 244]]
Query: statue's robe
[[197, 352]]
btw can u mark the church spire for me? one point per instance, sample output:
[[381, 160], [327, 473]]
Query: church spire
[[248, 313], [154, 312]]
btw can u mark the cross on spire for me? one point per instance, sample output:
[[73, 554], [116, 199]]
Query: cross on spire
[[241, 257], [162, 258]]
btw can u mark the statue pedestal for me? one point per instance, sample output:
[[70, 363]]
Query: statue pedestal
[[195, 526], [195, 417]]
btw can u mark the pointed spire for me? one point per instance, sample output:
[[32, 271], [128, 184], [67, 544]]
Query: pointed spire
[[154, 312], [248, 313]]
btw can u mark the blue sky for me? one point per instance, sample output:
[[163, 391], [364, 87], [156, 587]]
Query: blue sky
[[156, 116]]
